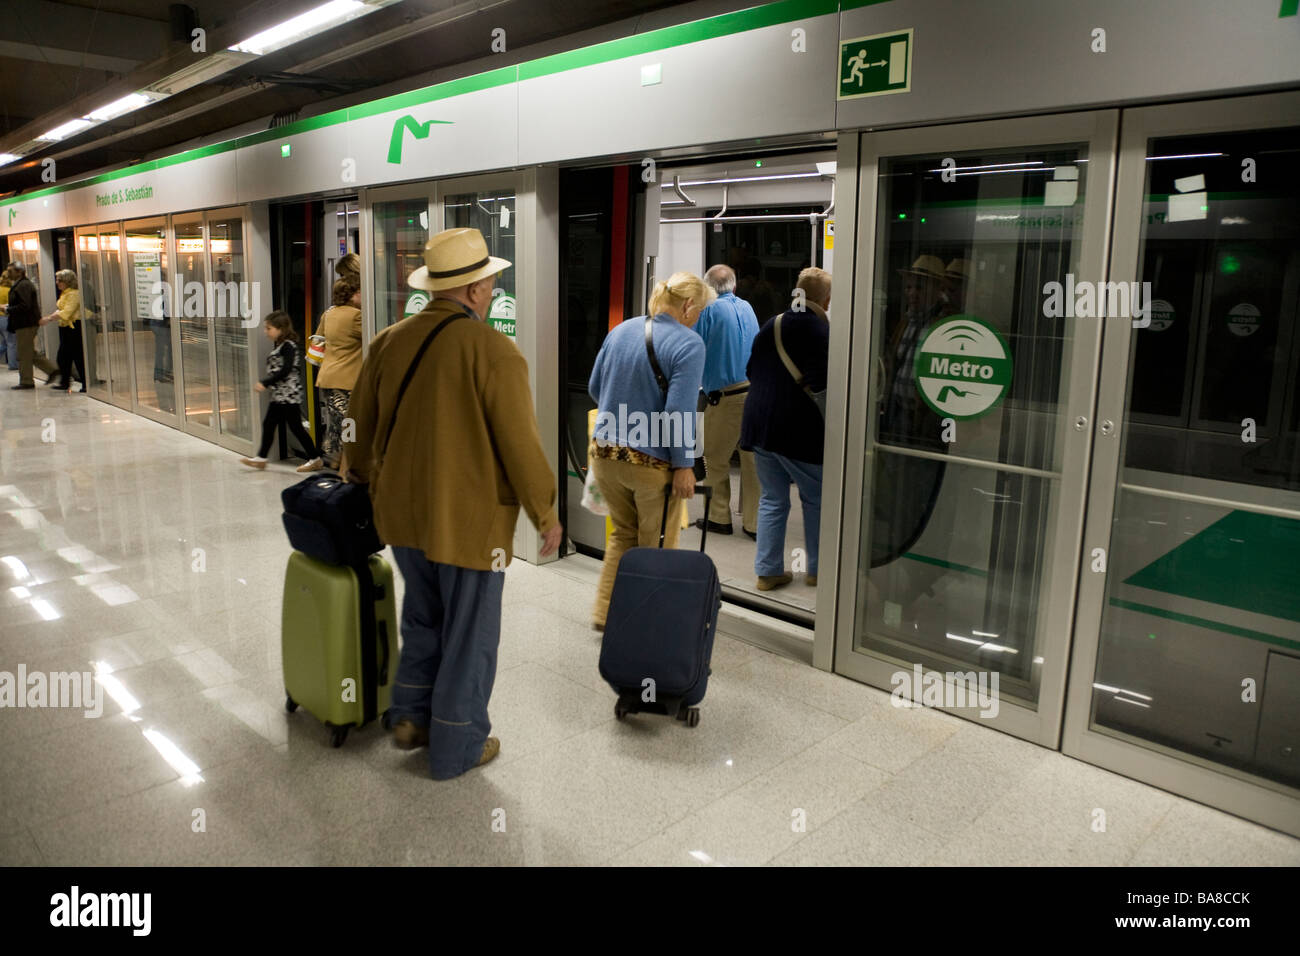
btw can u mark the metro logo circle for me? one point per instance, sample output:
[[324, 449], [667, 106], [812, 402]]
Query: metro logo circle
[[963, 367]]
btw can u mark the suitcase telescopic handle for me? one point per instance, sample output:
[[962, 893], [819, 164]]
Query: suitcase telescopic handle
[[705, 490]]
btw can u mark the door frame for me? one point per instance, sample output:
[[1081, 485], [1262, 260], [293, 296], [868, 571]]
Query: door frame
[[1099, 130], [1196, 778]]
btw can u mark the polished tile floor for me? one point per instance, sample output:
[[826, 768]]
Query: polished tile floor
[[153, 557]]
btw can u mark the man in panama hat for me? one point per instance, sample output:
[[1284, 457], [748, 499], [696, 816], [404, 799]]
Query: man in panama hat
[[447, 484]]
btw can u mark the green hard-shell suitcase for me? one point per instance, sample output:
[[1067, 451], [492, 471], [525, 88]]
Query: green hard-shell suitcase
[[338, 635]]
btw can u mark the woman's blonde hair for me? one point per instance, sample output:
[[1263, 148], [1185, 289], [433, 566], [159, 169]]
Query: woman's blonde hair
[[680, 287], [67, 277]]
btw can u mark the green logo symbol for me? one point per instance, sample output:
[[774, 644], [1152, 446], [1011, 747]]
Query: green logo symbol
[[418, 130], [415, 302], [501, 314], [963, 367], [12, 213]]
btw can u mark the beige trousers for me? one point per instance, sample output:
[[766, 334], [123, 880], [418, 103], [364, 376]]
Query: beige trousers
[[635, 495], [721, 435], [28, 356]]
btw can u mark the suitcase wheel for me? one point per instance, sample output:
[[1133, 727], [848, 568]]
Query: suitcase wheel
[[337, 735], [691, 715], [290, 704], [619, 710]]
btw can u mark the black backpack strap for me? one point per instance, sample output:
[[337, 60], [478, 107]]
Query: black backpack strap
[[410, 373], [660, 377]]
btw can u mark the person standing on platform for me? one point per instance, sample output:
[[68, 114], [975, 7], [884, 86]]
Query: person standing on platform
[[784, 427], [341, 326], [8, 344], [284, 381], [68, 313], [24, 319], [447, 478], [728, 327]]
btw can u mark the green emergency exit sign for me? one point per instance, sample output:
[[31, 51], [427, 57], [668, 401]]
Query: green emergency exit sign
[[876, 65]]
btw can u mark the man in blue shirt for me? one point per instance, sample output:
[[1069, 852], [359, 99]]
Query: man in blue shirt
[[728, 327]]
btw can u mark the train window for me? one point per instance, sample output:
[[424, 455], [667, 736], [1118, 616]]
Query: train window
[[493, 214], [1200, 637], [401, 228], [970, 376]]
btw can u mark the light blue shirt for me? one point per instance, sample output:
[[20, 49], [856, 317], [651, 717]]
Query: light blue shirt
[[728, 327], [632, 407]]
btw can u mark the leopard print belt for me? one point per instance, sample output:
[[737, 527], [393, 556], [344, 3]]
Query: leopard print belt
[[622, 453]]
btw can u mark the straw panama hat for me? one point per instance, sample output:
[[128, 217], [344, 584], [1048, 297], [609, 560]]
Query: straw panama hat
[[453, 258], [959, 269], [929, 267]]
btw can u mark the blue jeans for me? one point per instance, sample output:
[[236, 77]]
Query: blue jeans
[[10, 343], [451, 626], [775, 472]]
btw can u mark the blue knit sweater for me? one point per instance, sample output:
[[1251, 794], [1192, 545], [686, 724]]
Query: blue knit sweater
[[622, 377]]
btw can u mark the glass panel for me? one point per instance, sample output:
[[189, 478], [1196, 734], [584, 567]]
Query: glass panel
[[234, 306], [970, 362], [146, 250], [401, 230], [1200, 637], [115, 315], [92, 324], [492, 213], [192, 314]]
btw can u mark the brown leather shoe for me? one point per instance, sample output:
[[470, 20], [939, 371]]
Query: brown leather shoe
[[769, 581], [407, 736], [254, 463], [491, 747]]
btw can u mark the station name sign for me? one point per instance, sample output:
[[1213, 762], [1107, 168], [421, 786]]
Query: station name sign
[[123, 195]]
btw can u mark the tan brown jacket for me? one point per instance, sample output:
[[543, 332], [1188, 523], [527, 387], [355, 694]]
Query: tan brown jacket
[[341, 326], [465, 452]]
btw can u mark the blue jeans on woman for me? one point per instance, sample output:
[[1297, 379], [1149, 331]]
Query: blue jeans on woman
[[775, 473], [10, 343], [451, 626]]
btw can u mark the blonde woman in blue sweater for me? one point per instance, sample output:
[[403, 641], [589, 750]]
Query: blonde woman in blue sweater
[[646, 436]]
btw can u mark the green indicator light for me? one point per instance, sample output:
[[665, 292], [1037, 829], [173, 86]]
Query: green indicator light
[[1151, 637], [902, 215], [758, 162], [285, 150], [1229, 264], [923, 219]]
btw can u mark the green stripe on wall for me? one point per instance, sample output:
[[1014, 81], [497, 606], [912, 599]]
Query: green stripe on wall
[[1208, 624], [784, 11], [711, 28]]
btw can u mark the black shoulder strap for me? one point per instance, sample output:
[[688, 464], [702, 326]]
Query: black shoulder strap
[[410, 373], [660, 377]]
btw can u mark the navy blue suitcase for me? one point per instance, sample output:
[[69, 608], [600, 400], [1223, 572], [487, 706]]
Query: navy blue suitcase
[[663, 614]]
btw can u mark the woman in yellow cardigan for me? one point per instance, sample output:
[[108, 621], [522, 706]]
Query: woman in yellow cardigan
[[68, 311]]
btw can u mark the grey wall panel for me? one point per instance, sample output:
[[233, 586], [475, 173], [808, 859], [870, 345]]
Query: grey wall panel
[[45, 212], [737, 87], [998, 57], [314, 165], [473, 132]]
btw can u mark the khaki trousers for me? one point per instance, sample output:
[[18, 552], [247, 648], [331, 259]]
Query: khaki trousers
[[28, 356], [635, 495], [721, 435]]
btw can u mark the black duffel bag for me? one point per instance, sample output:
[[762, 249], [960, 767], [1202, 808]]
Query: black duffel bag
[[330, 520]]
